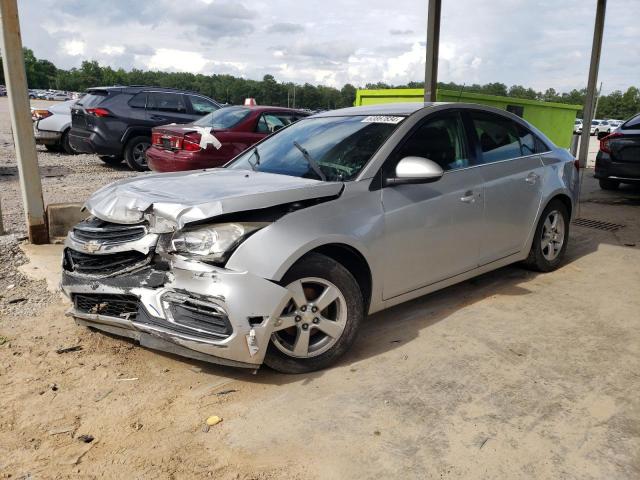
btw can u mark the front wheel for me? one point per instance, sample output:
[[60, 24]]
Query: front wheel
[[320, 321], [135, 153], [550, 240]]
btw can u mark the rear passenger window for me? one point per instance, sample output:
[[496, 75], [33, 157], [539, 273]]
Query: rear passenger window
[[440, 139], [166, 102], [271, 122], [139, 100], [499, 137], [201, 105]]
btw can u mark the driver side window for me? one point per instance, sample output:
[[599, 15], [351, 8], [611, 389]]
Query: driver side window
[[440, 139]]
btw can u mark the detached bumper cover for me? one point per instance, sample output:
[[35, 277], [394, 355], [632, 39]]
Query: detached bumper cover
[[194, 310]]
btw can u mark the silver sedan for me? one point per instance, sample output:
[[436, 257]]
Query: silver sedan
[[278, 257]]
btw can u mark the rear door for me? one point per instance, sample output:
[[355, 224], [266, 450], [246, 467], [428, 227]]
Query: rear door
[[167, 107], [512, 171]]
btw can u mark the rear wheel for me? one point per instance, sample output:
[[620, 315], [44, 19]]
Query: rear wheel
[[52, 147], [135, 153], [608, 184], [65, 145], [551, 236], [320, 321]]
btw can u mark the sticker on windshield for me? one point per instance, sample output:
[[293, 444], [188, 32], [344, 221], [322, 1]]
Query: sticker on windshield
[[382, 119]]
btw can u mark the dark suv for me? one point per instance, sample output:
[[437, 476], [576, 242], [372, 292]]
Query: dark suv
[[618, 160], [116, 122]]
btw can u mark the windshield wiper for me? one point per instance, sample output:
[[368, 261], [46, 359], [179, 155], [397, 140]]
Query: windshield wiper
[[257, 155], [312, 163]]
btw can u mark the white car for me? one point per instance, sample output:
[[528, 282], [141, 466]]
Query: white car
[[598, 126], [51, 126], [577, 126]]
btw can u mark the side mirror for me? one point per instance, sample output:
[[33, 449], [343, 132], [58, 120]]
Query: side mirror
[[415, 170]]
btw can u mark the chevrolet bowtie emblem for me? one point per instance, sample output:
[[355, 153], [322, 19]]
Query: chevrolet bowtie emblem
[[91, 246]]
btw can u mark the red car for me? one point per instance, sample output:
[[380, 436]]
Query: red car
[[234, 129]]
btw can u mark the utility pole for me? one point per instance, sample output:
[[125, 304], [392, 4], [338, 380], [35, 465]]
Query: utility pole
[[25, 145], [294, 95], [595, 109], [433, 43], [589, 101]]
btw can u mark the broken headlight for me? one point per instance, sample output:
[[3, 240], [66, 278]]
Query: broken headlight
[[212, 243]]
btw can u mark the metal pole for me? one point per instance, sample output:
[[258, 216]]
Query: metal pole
[[26, 157], [589, 101], [433, 43]]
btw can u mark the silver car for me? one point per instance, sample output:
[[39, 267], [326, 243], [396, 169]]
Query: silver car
[[279, 257]]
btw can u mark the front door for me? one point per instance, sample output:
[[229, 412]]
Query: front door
[[512, 171], [432, 230]]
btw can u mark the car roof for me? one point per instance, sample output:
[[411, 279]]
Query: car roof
[[403, 109]]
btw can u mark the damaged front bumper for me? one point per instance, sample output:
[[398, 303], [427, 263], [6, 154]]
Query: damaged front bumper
[[190, 309]]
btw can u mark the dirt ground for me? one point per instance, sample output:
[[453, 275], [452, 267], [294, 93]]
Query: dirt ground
[[510, 375]]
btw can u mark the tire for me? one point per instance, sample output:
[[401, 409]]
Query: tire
[[65, 146], [54, 148], [111, 159], [134, 153], [546, 262], [311, 277], [608, 184]]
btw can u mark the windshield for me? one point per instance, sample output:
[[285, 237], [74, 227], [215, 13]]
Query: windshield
[[595, 122], [336, 148], [223, 118]]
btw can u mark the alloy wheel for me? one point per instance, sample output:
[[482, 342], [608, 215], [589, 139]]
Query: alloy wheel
[[313, 320], [553, 231], [138, 153]]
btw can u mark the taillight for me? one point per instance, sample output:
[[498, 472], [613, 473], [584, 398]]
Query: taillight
[[98, 112], [604, 143], [191, 142], [40, 114], [156, 138]]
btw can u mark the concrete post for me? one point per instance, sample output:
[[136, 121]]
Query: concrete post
[[433, 43], [589, 101], [16, 79]]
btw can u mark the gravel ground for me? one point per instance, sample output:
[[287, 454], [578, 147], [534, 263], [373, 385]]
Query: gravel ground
[[65, 178]]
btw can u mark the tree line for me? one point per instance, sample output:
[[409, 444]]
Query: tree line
[[43, 74]]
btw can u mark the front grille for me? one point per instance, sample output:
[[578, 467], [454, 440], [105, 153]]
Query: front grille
[[102, 265], [121, 306], [94, 229]]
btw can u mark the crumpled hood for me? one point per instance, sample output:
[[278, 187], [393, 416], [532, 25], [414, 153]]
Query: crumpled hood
[[184, 197]]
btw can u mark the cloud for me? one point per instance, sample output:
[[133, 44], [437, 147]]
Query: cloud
[[73, 47], [285, 27], [401, 32], [177, 60]]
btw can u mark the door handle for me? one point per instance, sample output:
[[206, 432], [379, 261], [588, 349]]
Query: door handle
[[468, 197], [532, 178]]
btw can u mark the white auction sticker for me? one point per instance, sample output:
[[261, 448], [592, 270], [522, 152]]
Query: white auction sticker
[[382, 119]]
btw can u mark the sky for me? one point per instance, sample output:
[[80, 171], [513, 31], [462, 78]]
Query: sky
[[535, 43]]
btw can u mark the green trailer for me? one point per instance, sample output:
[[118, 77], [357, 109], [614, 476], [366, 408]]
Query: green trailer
[[556, 120]]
